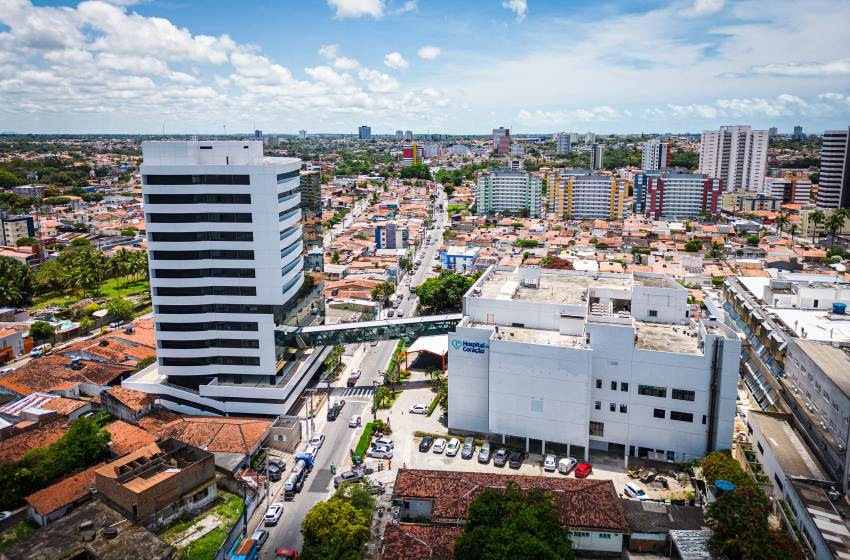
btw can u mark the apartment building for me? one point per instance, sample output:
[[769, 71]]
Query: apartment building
[[389, 236], [408, 135], [412, 154], [563, 142], [365, 132], [225, 244], [790, 191], [596, 152], [682, 195], [579, 193], [834, 187], [592, 361], [735, 154], [14, 228], [502, 140], [518, 149], [654, 155], [302, 134], [502, 189], [399, 135], [797, 135]]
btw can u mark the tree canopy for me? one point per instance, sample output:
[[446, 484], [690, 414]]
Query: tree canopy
[[445, 290], [416, 172], [337, 529], [513, 524]]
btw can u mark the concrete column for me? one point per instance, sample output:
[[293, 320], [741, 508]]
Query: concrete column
[[503, 439], [586, 453], [527, 443], [568, 449], [543, 447]]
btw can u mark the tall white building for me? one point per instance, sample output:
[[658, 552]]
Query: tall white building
[[834, 187], [399, 135], [736, 154], [225, 245], [654, 155], [563, 141], [503, 189], [518, 149], [408, 135], [594, 361], [365, 132], [596, 153], [590, 138], [302, 134]]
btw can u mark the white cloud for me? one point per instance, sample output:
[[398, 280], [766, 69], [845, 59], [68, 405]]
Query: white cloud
[[840, 67], [377, 82], [329, 51], [703, 8], [408, 6], [357, 8], [597, 114], [704, 111], [428, 52], [518, 6], [395, 61]]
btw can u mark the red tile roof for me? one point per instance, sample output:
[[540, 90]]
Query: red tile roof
[[63, 493], [132, 399], [127, 438], [583, 504], [410, 541], [230, 435], [45, 373], [15, 447]]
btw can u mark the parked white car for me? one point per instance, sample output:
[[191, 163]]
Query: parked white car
[[312, 450], [453, 447], [418, 409], [439, 446], [566, 465], [550, 462], [383, 442], [317, 440], [635, 492], [380, 453], [273, 514]]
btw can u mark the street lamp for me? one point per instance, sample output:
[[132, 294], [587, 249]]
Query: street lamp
[[375, 384]]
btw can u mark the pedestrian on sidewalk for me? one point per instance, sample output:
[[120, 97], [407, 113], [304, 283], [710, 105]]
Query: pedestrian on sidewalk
[[390, 467]]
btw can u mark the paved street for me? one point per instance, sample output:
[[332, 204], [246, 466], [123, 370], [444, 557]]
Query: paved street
[[339, 438]]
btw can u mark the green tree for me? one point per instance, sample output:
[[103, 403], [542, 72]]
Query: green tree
[[816, 217], [50, 277], [753, 239], [335, 257], [513, 524], [120, 308], [416, 172], [86, 324], [780, 222], [41, 330], [26, 242], [382, 291], [715, 250], [834, 223], [337, 524], [143, 363], [9, 180], [445, 290], [693, 246], [80, 242]]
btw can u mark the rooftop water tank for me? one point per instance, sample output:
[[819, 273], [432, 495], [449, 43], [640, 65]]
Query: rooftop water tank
[[839, 308]]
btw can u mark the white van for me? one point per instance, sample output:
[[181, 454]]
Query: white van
[[635, 492]]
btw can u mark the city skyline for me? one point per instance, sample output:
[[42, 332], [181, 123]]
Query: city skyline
[[674, 66]]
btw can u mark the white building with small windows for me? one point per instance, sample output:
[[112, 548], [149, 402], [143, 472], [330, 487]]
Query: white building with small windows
[[594, 361]]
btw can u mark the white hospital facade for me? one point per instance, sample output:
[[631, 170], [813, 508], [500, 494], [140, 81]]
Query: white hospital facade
[[606, 361]]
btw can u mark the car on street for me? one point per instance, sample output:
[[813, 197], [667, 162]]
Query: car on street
[[418, 409], [285, 554], [273, 514], [352, 379], [317, 440], [273, 473], [354, 421], [376, 487], [312, 451], [501, 457], [550, 462], [453, 447], [567, 464], [390, 313], [348, 476], [515, 461], [632, 490], [439, 445], [373, 343], [383, 442], [426, 443], [261, 536], [583, 470], [380, 453], [279, 463]]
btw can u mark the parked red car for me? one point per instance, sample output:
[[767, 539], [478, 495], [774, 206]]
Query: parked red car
[[286, 554], [583, 470]]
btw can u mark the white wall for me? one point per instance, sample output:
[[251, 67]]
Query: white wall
[[469, 379]]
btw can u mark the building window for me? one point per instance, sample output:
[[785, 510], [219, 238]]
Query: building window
[[704, 419], [826, 396], [760, 448], [597, 429], [624, 387], [659, 413], [604, 535], [624, 408], [581, 534], [681, 416], [613, 407], [683, 395], [816, 303], [613, 385], [598, 405], [778, 482], [651, 391], [653, 313], [598, 383]]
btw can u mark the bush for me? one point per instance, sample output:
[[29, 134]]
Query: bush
[[365, 439], [26, 242], [91, 308], [753, 239], [81, 242], [121, 308], [693, 246], [41, 330]]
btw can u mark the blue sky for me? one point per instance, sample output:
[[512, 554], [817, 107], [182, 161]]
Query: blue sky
[[124, 66]]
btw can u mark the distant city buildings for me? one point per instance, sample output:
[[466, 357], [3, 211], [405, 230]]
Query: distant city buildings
[[302, 134], [579, 193], [14, 228], [518, 149], [408, 135], [655, 155], [258, 135], [789, 191], [589, 138], [412, 154], [771, 132], [596, 152], [365, 132], [497, 190], [834, 187], [459, 150], [399, 135], [735, 154], [501, 140], [563, 142], [682, 195], [798, 135], [389, 236]]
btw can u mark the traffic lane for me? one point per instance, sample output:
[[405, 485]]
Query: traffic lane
[[339, 439]]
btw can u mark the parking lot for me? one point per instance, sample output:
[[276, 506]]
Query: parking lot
[[406, 451]]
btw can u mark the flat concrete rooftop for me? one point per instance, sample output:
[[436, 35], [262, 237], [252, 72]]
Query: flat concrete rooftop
[[533, 336], [650, 282], [678, 339], [554, 288]]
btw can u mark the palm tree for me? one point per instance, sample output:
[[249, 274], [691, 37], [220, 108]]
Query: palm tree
[[9, 294], [816, 218], [716, 250], [335, 257], [834, 223], [792, 230], [780, 221], [443, 397], [381, 395]]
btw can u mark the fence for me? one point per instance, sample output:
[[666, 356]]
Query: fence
[[236, 532]]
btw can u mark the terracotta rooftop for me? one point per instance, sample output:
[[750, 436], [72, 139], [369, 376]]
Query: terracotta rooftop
[[214, 434], [63, 493], [15, 447], [132, 399], [583, 504], [45, 373], [64, 406], [115, 351], [410, 541], [127, 438]]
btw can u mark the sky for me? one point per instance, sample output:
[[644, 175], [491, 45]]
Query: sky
[[451, 67]]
